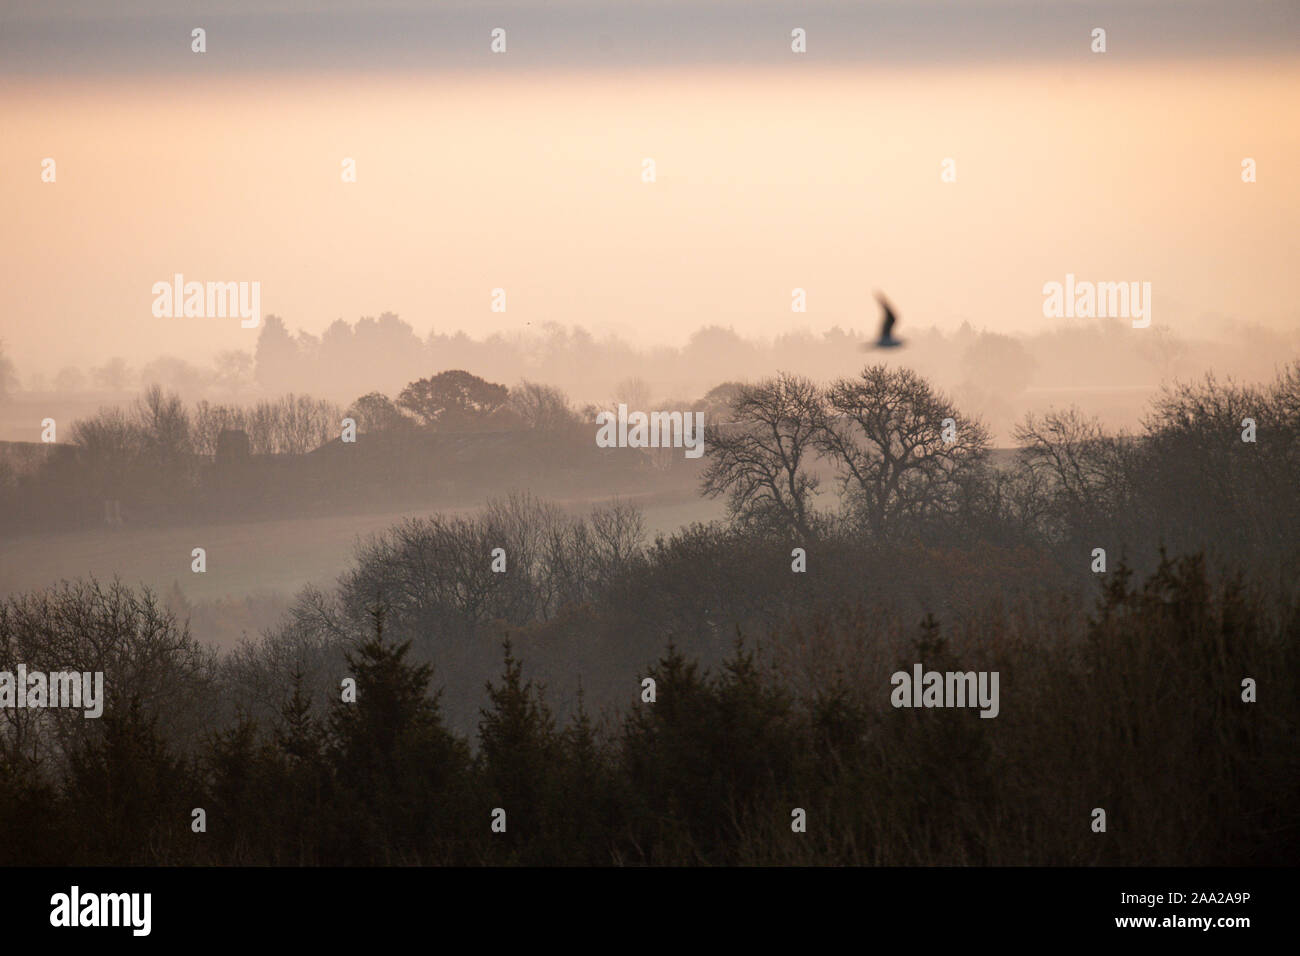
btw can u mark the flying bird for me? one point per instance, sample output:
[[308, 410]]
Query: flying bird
[[886, 340]]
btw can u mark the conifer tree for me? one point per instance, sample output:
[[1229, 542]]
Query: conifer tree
[[394, 760], [300, 739], [126, 792], [519, 751], [244, 787]]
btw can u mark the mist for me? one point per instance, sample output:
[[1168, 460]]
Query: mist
[[411, 418]]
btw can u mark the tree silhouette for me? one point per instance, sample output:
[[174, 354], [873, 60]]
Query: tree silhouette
[[760, 460], [376, 412], [396, 763], [519, 752], [453, 400], [127, 790], [885, 431]]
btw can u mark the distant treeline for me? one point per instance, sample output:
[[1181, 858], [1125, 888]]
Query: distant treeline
[[161, 461], [987, 372]]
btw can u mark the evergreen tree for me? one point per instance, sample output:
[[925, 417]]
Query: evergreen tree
[[126, 793], [395, 762], [301, 741], [245, 787], [519, 754]]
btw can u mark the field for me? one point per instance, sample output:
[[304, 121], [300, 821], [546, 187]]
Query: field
[[248, 559]]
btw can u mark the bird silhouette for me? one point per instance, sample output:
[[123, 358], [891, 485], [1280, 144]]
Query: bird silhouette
[[886, 340]]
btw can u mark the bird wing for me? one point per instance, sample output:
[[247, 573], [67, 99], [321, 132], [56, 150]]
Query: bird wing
[[887, 326]]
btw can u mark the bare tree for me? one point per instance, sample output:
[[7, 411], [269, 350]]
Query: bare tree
[[903, 448], [210, 421], [129, 635], [542, 408], [618, 530], [108, 446], [164, 424], [760, 459], [261, 423], [1195, 457], [1068, 458], [305, 423]]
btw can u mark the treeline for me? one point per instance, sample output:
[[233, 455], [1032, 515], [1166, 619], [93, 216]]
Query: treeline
[[144, 463], [1169, 699], [1214, 468], [989, 373], [1140, 714], [152, 462]]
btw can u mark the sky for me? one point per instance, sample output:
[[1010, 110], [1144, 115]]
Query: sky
[[524, 170]]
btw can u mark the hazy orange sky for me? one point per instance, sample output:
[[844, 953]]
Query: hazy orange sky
[[770, 177]]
